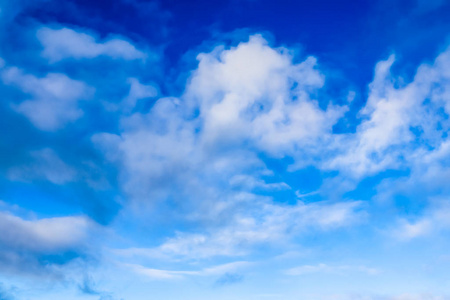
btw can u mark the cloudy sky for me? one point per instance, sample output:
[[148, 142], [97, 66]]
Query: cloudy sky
[[224, 150]]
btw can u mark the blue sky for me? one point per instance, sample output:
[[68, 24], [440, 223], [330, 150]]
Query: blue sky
[[229, 150]]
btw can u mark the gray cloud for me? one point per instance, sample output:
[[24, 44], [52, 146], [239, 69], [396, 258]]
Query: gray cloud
[[40, 246]]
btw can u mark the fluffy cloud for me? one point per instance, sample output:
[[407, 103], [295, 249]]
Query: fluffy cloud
[[68, 43], [202, 149], [400, 120], [239, 101], [54, 98], [255, 93], [204, 177]]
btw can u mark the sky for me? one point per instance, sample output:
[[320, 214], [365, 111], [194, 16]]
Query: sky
[[224, 150]]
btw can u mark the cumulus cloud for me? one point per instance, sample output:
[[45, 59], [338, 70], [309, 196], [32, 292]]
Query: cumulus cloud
[[65, 43], [54, 98], [249, 98], [203, 160], [256, 93], [202, 150]]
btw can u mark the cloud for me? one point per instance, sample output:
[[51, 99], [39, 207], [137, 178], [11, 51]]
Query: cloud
[[262, 223], [221, 270], [194, 173], [138, 91], [52, 234], [240, 102], [65, 43], [396, 117], [54, 98], [250, 183], [34, 246], [202, 150], [255, 93], [435, 219]]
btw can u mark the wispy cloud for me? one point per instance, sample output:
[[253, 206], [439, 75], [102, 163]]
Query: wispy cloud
[[219, 270], [65, 43], [54, 98], [434, 220], [264, 224]]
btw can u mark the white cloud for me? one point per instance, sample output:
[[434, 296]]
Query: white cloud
[[68, 43], [202, 150], [255, 93], [434, 220], [50, 248], [250, 182], [239, 101], [138, 91], [176, 274], [261, 223], [54, 101], [395, 118], [48, 235]]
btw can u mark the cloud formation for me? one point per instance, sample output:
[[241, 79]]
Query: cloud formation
[[219, 270], [245, 164], [65, 43], [54, 98], [35, 246]]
